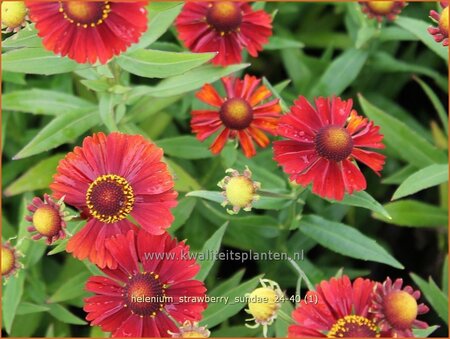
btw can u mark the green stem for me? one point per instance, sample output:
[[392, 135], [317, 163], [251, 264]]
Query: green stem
[[302, 274], [285, 316]]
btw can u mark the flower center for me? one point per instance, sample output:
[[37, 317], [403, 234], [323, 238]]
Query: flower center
[[110, 198], [240, 191], [13, 13], [47, 221], [224, 16], [145, 295], [193, 334], [401, 309], [333, 143], [381, 7], [262, 304], [84, 13], [443, 21], [236, 113], [8, 260], [352, 326]]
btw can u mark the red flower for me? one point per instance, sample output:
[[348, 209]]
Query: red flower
[[336, 309], [10, 260], [323, 142], [151, 286], [225, 27], [440, 33], [240, 115], [382, 9], [395, 309], [87, 31], [109, 178]]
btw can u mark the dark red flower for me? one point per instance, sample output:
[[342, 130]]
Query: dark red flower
[[395, 309], [323, 144], [108, 179], [336, 309], [225, 27], [440, 33], [382, 9], [240, 115], [151, 287], [88, 31]]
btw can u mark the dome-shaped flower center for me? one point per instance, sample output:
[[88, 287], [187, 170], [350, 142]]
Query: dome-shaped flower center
[[13, 13], [110, 198], [8, 260], [85, 13], [224, 16], [381, 7], [333, 143], [47, 220], [240, 191], [352, 326], [443, 21], [192, 334], [145, 295], [400, 309], [263, 304], [236, 113]]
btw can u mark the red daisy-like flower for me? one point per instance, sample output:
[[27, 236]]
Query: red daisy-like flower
[[152, 286], [380, 9], [225, 27], [440, 33], [10, 260], [48, 219], [241, 115], [323, 142], [108, 179], [395, 309], [88, 31]]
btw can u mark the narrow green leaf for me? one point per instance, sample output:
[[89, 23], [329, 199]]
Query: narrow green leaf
[[445, 276], [208, 195], [28, 308], [227, 285], [60, 130], [184, 182], [182, 213], [210, 248], [70, 289], [345, 240], [425, 178], [24, 38], [61, 247], [364, 200], [64, 315], [184, 147], [11, 297], [398, 177], [414, 214], [281, 325], [424, 333], [106, 110], [276, 43]]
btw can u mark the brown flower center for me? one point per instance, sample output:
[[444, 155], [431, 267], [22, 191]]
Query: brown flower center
[[443, 21], [84, 13], [236, 113], [381, 7], [110, 198], [47, 220], [145, 295], [400, 309], [352, 326], [8, 260], [333, 143], [224, 16]]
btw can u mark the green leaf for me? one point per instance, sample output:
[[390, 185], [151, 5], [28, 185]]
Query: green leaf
[[414, 214], [276, 43], [227, 285], [218, 312], [61, 247], [340, 73], [184, 147], [24, 38], [41, 101], [419, 29], [70, 289], [425, 178], [11, 297], [208, 195], [106, 110], [182, 212], [64, 315], [345, 240], [187, 82], [281, 325], [60, 130], [410, 146], [437, 298], [184, 182], [398, 177], [37, 177], [424, 333], [445, 276], [364, 200], [210, 248], [159, 64], [28, 308], [37, 61]]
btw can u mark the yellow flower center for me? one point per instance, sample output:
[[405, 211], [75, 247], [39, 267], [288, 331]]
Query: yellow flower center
[[401, 309], [333, 143], [263, 304], [381, 7], [193, 334], [236, 113], [47, 221], [354, 326], [13, 13], [110, 198], [224, 16], [84, 13], [8, 260], [443, 21], [240, 191]]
